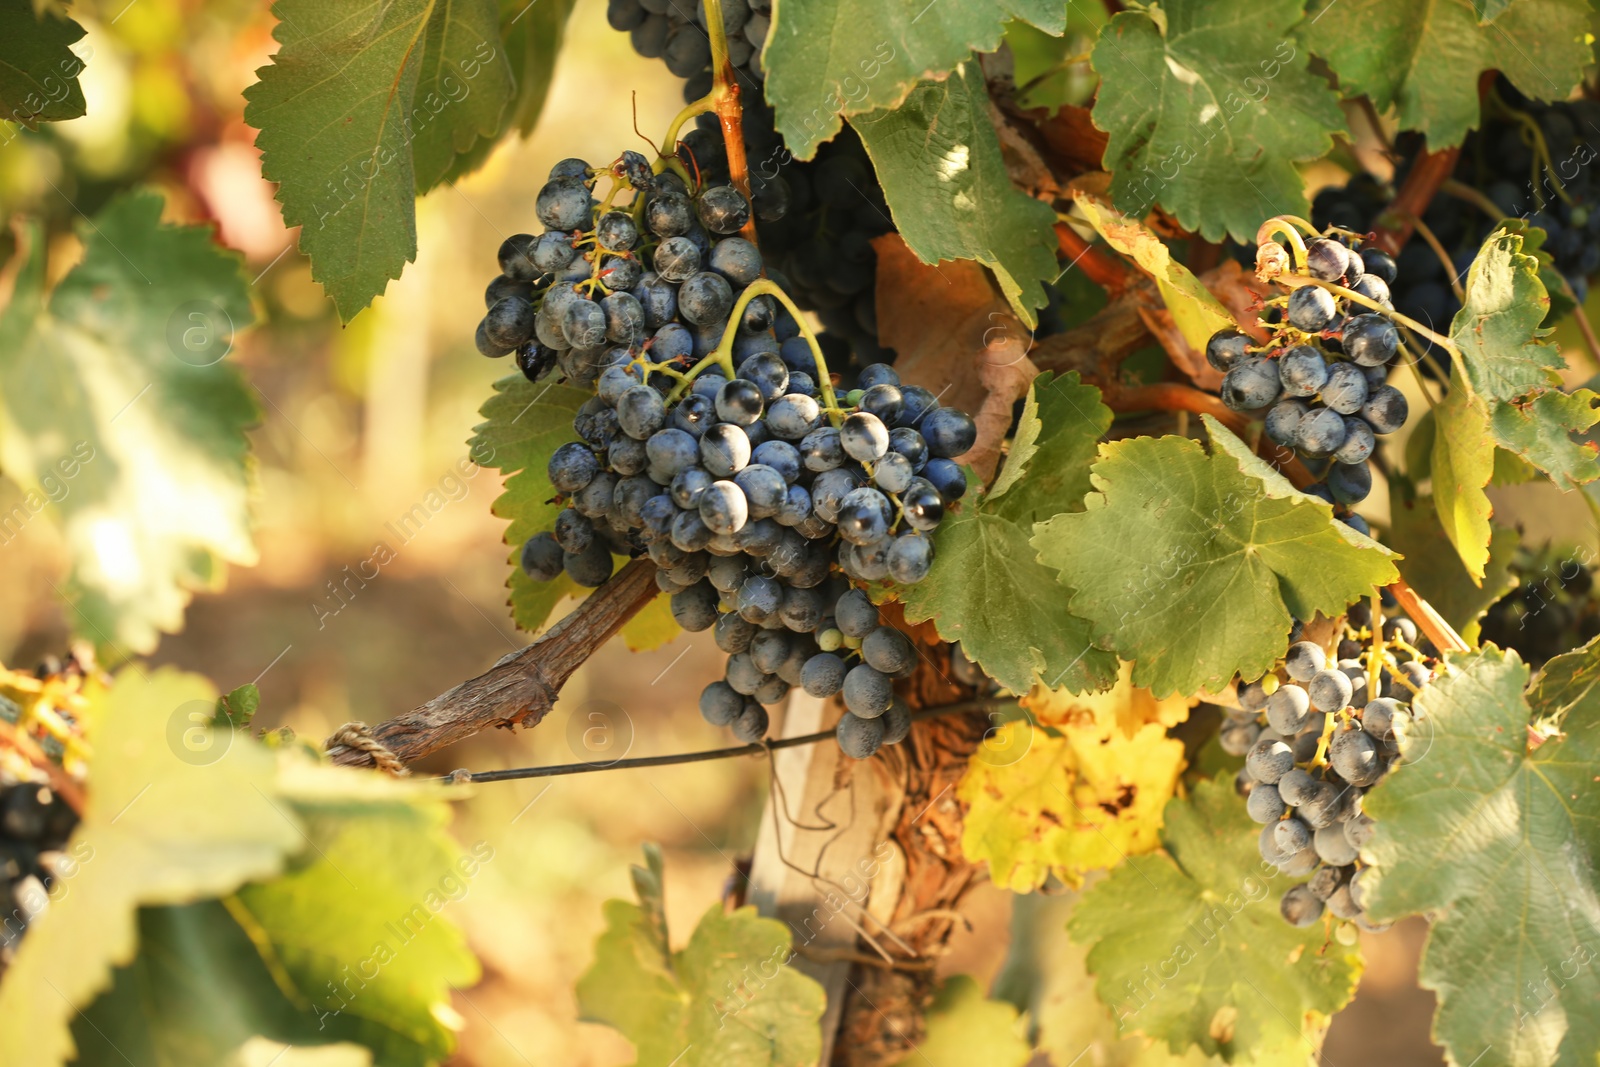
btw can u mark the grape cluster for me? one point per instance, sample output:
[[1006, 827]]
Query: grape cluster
[[1555, 607], [1319, 382], [34, 827], [761, 496], [1530, 160], [832, 206], [1315, 737]]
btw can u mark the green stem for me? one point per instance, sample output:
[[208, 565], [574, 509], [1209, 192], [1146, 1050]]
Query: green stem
[[1394, 316], [670, 143]]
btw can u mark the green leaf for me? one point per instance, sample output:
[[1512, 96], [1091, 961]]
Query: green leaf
[[1540, 431], [525, 422], [985, 589], [1195, 312], [1423, 57], [533, 34], [1513, 371], [123, 411], [1041, 62], [235, 710], [334, 109], [1195, 566], [938, 158], [965, 1028], [1188, 947], [728, 997], [464, 85], [1461, 465], [348, 946], [1208, 107], [38, 71], [167, 822], [1431, 565], [1497, 844], [826, 61]]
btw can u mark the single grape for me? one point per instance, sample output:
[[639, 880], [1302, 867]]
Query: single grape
[[724, 508], [1349, 482], [1320, 433], [563, 204], [738, 261], [591, 567], [948, 432], [896, 722], [695, 608], [867, 691], [1311, 309], [1326, 259], [641, 412], [829, 490], [864, 437], [947, 478], [864, 516], [910, 559], [516, 258], [1358, 441], [1304, 660], [1292, 835], [767, 370], [676, 259], [823, 675], [1333, 847], [1251, 384], [759, 598], [893, 473], [574, 531], [542, 558], [1386, 409], [739, 402], [1264, 805], [694, 415], [733, 633], [625, 320], [1235, 738], [1282, 424], [724, 449], [855, 614], [768, 649], [705, 297], [1371, 340], [1330, 690], [821, 449], [751, 725], [510, 323], [1374, 289], [1269, 760], [1379, 263], [923, 507], [859, 737], [1287, 709], [801, 610], [763, 488], [721, 207], [1302, 371], [1346, 388], [571, 467], [1227, 347], [615, 232], [584, 323], [720, 703], [793, 416], [1299, 906], [888, 650]]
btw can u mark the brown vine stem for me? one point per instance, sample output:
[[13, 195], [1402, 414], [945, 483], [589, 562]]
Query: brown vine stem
[[1440, 632], [1176, 396], [1110, 274], [1427, 174], [725, 99], [521, 687]]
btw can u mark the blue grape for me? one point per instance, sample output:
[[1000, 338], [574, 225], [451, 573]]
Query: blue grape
[[720, 703], [693, 415], [864, 437], [1311, 309], [828, 492], [615, 232], [671, 450], [672, 341], [737, 260], [1358, 441], [624, 318], [867, 692], [739, 401], [689, 531], [695, 609], [764, 489], [752, 723], [860, 737], [705, 298], [793, 416], [510, 322], [767, 370], [1349, 482], [759, 598], [855, 614], [883, 401], [1321, 432], [574, 531], [722, 208], [893, 473], [1226, 347], [823, 675], [676, 259], [724, 449], [563, 204], [781, 456], [1302, 371], [797, 355], [947, 477], [571, 467], [1385, 409], [591, 567], [1346, 389], [796, 506], [724, 508], [877, 374], [923, 507], [658, 298], [542, 558], [1283, 421], [864, 516], [948, 432], [584, 323], [910, 558], [821, 449], [669, 214], [1252, 384]]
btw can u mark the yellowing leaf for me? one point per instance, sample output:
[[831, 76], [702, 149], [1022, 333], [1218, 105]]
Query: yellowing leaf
[[1071, 803], [652, 627], [1195, 311], [1124, 708], [161, 827], [965, 1027], [1463, 462]]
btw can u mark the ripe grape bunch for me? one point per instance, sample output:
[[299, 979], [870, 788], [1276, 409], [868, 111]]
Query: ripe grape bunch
[[759, 492], [1319, 382], [1316, 736]]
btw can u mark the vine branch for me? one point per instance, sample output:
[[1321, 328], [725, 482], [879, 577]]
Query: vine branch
[[523, 685], [1430, 171]]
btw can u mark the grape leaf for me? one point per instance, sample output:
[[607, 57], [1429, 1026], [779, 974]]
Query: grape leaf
[[1432, 567], [965, 1027], [525, 422], [1462, 464], [1513, 370], [1124, 708], [727, 997], [938, 157], [1195, 566], [1424, 56], [825, 61], [1195, 311], [166, 823], [349, 945], [1188, 947], [464, 86], [333, 113], [651, 627], [1497, 844], [38, 72], [985, 588], [534, 34], [1208, 107], [1065, 802], [122, 409]]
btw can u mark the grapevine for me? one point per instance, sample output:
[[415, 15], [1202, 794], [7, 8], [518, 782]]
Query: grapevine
[[1073, 526]]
